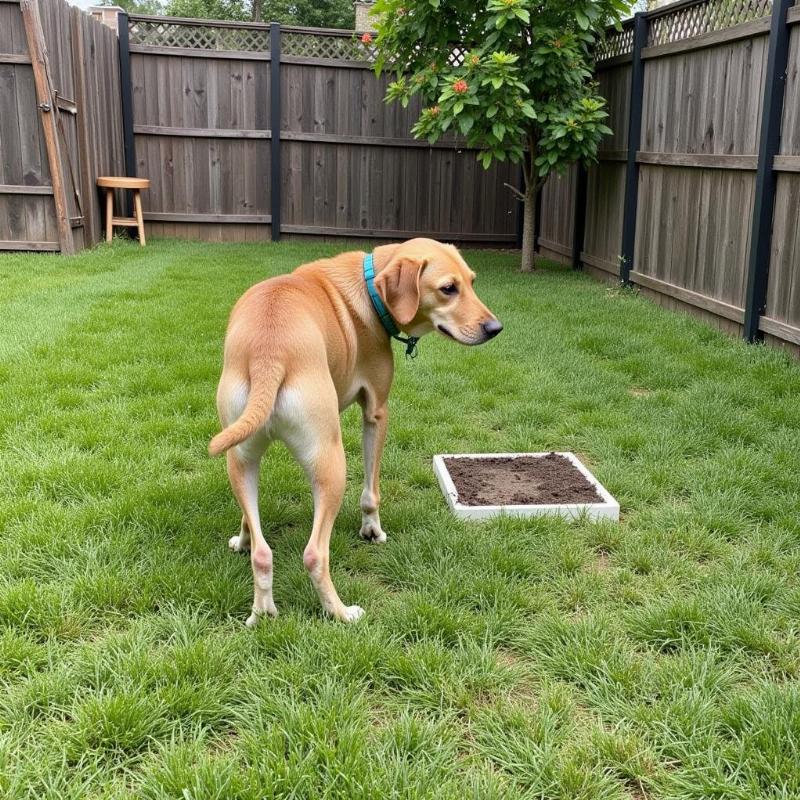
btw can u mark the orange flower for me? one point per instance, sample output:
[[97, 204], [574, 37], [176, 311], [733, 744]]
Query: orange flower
[[460, 86], [366, 38]]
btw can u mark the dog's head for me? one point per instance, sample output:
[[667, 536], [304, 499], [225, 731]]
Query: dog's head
[[428, 286]]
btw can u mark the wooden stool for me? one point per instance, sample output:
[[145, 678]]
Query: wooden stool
[[109, 183]]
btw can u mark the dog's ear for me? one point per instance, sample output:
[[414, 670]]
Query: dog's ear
[[398, 286]]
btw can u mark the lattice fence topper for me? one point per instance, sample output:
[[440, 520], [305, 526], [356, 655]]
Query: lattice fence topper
[[684, 23], [306, 44], [197, 36], [339, 48], [713, 15], [616, 43]]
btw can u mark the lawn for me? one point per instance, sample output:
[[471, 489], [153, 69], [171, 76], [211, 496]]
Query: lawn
[[656, 658]]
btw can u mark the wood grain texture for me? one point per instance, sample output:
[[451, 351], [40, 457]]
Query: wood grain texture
[[692, 231], [705, 160], [746, 30], [557, 222], [45, 74], [783, 287], [349, 161], [82, 81], [705, 101], [701, 122]]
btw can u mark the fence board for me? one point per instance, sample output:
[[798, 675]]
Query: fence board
[[606, 180], [84, 89], [704, 86], [783, 288], [348, 159]]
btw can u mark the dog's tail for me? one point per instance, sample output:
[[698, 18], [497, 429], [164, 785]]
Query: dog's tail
[[263, 391]]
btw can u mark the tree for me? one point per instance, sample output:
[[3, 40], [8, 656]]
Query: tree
[[137, 6], [309, 13], [514, 77]]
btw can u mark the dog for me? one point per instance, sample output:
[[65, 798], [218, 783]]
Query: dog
[[302, 347]]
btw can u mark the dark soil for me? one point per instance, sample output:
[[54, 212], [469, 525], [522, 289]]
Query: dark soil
[[521, 481]]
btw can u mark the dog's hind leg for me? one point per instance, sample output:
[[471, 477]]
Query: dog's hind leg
[[373, 437], [327, 475], [309, 423], [243, 468]]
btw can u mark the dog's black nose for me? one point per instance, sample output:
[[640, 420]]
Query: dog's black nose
[[492, 328]]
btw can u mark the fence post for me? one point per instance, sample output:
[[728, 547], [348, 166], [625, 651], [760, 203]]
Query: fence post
[[275, 128], [126, 98], [768, 148], [537, 226], [579, 224], [88, 189], [640, 30]]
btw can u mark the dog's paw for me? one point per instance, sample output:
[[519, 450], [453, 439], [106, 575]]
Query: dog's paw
[[351, 613], [256, 615], [238, 546], [372, 532]]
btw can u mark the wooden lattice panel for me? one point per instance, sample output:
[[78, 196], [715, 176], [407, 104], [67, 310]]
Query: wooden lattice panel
[[713, 15], [616, 43], [318, 46], [198, 37]]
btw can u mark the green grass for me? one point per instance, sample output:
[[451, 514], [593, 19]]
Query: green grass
[[657, 658]]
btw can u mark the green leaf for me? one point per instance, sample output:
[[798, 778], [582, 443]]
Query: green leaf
[[458, 107], [492, 110]]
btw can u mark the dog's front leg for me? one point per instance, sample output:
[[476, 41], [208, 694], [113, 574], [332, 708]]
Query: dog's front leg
[[375, 420]]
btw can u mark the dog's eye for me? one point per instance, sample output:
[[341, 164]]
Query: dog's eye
[[450, 288]]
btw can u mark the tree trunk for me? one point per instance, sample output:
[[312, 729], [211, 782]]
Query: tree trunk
[[256, 15], [528, 230]]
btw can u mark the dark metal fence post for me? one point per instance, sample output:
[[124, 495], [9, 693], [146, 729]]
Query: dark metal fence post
[[768, 147], [127, 104], [520, 209], [640, 31], [275, 127], [579, 224]]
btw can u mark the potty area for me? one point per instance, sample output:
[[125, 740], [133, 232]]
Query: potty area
[[524, 484]]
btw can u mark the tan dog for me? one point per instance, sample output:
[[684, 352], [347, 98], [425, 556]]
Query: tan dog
[[301, 348]]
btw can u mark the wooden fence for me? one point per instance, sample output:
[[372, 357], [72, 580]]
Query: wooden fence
[[60, 124], [696, 196], [228, 153]]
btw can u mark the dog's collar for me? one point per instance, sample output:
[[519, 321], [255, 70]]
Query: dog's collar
[[383, 313]]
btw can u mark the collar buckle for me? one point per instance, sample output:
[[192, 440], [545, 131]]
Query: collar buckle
[[411, 345]]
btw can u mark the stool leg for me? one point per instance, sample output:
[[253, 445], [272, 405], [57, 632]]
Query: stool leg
[[137, 204], [109, 214]]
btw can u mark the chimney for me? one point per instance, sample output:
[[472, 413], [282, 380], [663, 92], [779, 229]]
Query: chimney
[[364, 22], [106, 14]]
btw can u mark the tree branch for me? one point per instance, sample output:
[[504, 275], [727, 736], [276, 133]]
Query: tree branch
[[516, 192]]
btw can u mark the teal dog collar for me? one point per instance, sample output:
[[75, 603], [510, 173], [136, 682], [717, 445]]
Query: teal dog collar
[[383, 313]]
